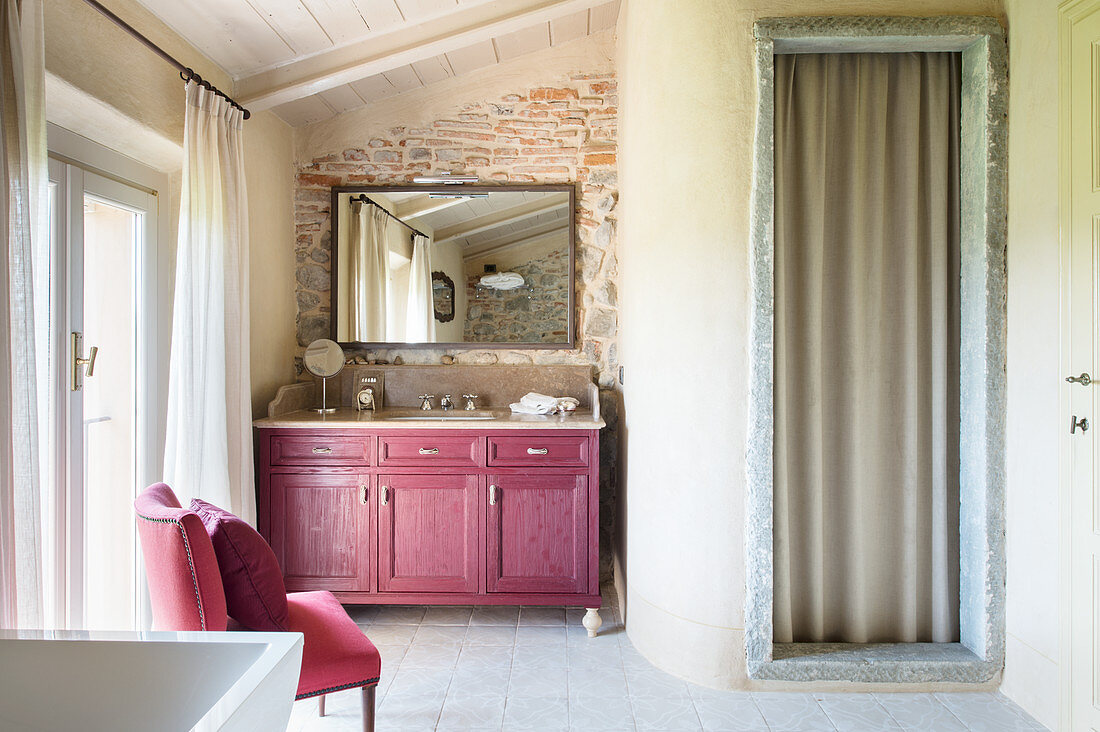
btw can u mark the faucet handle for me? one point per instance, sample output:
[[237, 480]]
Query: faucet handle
[[426, 401], [470, 401]]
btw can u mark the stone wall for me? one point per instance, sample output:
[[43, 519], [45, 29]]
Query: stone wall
[[545, 134], [537, 315]]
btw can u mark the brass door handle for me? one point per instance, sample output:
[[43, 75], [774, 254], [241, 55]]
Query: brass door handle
[[89, 361], [76, 346]]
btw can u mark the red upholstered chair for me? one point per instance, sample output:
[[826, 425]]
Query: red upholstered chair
[[185, 588]]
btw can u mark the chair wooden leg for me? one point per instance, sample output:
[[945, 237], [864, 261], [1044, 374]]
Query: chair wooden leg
[[368, 708], [321, 705]]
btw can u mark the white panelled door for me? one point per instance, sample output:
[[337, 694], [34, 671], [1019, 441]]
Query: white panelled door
[[1081, 354]]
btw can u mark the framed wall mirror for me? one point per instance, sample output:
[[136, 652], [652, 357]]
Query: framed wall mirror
[[486, 266], [443, 296]]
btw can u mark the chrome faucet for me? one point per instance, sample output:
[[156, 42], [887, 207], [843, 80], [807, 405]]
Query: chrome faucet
[[470, 406], [446, 404], [426, 402]]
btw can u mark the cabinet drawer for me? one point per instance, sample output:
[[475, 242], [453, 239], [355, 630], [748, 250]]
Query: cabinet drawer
[[565, 451], [320, 449], [429, 449]]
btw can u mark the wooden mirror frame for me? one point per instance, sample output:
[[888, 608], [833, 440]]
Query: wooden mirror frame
[[448, 283]]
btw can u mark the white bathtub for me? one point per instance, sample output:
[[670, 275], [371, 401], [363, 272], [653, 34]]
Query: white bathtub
[[153, 681]]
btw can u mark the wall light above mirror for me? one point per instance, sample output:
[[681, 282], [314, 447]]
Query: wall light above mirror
[[498, 260]]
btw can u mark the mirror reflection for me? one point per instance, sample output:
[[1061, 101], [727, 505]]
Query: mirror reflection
[[416, 265]]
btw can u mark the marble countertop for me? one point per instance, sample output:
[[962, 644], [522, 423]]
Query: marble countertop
[[406, 418]]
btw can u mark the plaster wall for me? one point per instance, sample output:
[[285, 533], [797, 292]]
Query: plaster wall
[[690, 67], [447, 258], [1034, 380], [269, 172], [107, 87]]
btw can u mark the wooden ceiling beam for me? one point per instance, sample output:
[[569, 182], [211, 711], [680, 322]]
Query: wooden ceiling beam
[[387, 51], [414, 208], [524, 237], [496, 219]]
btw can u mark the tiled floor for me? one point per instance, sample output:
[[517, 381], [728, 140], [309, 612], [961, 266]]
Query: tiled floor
[[506, 668]]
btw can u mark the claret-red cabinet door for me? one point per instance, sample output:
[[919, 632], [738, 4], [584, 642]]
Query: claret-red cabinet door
[[427, 533], [318, 525], [537, 533]]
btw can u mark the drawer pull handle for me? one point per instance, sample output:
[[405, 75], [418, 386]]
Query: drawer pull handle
[[322, 450], [363, 496], [428, 451], [385, 496], [492, 495], [536, 451]]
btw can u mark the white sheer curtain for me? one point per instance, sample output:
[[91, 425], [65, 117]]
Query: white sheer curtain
[[369, 270], [23, 216], [208, 452], [420, 314]]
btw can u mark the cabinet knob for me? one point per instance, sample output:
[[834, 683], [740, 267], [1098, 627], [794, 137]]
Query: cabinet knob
[[363, 490], [492, 495], [385, 496], [536, 451], [429, 451]]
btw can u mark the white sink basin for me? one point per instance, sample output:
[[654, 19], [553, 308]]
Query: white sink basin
[[439, 418]]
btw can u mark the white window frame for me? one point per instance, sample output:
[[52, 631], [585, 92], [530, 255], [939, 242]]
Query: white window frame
[[154, 306]]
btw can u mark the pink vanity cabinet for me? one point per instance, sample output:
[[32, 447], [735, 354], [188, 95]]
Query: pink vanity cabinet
[[489, 516]]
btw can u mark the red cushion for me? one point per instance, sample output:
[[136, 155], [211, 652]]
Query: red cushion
[[336, 655], [254, 592]]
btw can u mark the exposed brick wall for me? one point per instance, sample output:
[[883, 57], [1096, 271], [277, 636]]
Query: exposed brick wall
[[545, 134]]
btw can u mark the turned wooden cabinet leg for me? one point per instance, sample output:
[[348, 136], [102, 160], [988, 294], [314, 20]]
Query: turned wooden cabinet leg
[[592, 621], [321, 705], [368, 708]]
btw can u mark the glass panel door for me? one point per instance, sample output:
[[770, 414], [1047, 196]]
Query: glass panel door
[[113, 233], [105, 233]]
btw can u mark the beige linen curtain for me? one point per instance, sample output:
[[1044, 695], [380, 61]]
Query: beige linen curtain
[[420, 313], [866, 347], [208, 450], [24, 236], [369, 270]]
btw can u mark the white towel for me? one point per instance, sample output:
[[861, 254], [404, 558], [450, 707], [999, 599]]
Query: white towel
[[535, 403], [503, 280], [520, 408]]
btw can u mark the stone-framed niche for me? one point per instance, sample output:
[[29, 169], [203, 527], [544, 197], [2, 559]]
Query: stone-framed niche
[[983, 154]]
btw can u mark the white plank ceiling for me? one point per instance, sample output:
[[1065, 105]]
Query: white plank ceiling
[[495, 223], [313, 59]]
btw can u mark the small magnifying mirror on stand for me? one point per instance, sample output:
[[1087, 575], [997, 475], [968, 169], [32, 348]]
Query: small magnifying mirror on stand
[[324, 358]]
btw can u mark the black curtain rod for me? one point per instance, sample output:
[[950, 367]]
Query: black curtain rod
[[186, 72], [362, 198]]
